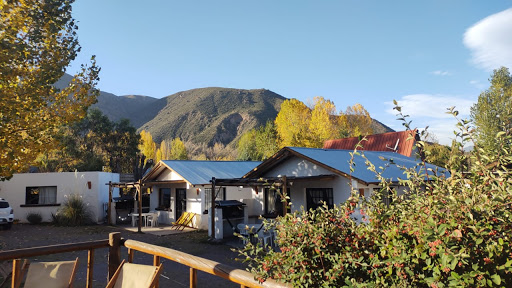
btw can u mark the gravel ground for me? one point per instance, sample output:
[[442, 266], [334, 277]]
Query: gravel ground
[[174, 274]]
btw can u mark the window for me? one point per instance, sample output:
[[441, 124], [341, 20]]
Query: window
[[387, 196], [45, 195], [274, 203], [165, 198], [316, 196], [220, 194]]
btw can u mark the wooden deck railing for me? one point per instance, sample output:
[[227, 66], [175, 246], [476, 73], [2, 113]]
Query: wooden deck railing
[[115, 242]]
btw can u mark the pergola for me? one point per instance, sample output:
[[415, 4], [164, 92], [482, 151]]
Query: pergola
[[281, 181], [139, 186]]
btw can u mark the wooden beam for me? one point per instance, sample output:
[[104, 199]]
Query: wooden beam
[[283, 193], [212, 214], [90, 265], [139, 190], [109, 209]]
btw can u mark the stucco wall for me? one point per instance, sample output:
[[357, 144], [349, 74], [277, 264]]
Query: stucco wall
[[67, 183]]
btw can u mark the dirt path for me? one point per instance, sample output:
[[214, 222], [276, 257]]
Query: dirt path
[[176, 275]]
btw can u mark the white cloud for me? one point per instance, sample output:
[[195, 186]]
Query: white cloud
[[441, 73], [490, 40], [432, 106], [430, 110]]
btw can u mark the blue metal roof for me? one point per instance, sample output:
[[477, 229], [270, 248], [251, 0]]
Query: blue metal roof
[[201, 172], [340, 160]]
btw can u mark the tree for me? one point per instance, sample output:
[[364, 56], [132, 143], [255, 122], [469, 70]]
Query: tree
[[258, 144], [178, 150], [356, 121], [266, 140], [164, 151], [292, 123], [323, 124], [493, 111], [147, 146], [123, 148], [37, 42], [247, 149], [92, 144]]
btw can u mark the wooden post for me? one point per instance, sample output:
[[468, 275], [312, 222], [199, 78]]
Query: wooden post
[[193, 278], [139, 191], [283, 193], [109, 209], [90, 265], [156, 262], [114, 253], [16, 273], [212, 216], [131, 253]]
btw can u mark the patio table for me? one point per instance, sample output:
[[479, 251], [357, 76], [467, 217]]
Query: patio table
[[144, 215]]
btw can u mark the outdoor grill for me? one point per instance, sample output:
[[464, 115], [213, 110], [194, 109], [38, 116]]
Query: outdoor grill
[[231, 208]]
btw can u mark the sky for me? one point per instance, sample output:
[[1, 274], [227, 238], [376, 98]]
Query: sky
[[427, 55]]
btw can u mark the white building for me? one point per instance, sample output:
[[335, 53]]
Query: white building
[[45, 193], [179, 186], [313, 176]]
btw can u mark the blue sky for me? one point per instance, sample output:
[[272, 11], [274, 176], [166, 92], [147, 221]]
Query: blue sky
[[427, 55]]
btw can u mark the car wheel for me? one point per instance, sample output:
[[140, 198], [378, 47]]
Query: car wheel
[[8, 226]]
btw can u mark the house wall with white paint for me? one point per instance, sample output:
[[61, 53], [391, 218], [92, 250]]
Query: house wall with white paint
[[23, 187]]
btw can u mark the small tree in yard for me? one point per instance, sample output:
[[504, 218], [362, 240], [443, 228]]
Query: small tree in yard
[[443, 232]]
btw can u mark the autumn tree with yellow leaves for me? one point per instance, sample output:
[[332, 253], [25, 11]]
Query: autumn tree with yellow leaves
[[38, 41], [303, 126], [147, 146]]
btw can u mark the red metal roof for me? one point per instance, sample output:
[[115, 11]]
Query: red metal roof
[[391, 141]]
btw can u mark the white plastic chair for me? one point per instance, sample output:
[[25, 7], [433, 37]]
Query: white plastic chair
[[242, 228], [152, 220], [265, 237]]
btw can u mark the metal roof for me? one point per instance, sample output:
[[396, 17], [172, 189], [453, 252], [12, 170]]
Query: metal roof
[[339, 160], [201, 172], [400, 142]]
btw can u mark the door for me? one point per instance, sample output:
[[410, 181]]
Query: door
[[181, 201]]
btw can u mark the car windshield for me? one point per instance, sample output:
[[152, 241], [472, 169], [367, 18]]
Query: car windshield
[[4, 204]]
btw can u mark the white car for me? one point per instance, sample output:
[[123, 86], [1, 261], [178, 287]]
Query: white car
[[6, 214]]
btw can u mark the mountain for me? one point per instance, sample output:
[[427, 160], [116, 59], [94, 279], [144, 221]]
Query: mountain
[[203, 116], [210, 115]]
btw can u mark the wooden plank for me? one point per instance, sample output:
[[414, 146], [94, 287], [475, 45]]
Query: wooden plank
[[212, 267], [90, 265], [52, 249]]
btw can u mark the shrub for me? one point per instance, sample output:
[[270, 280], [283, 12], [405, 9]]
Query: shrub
[[442, 232], [34, 218], [74, 212]]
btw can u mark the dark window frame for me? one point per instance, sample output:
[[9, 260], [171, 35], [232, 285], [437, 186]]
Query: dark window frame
[[33, 199], [315, 197]]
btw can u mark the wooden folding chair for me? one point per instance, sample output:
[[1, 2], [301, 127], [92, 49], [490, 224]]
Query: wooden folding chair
[[176, 225], [187, 221], [58, 274], [130, 275]]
